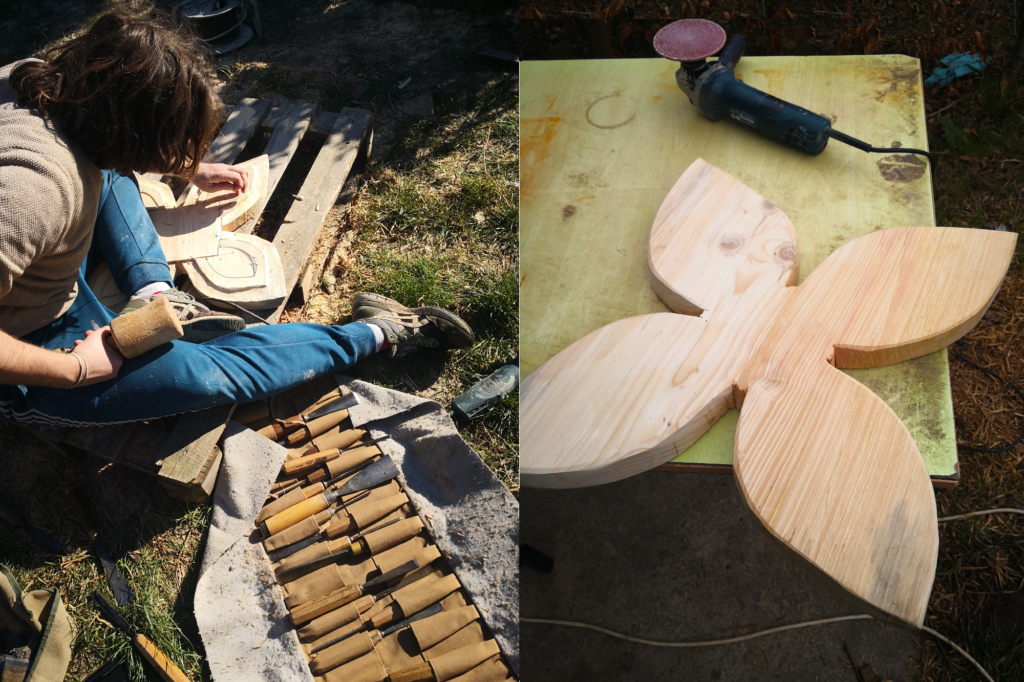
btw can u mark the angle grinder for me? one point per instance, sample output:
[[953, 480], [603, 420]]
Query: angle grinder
[[716, 92]]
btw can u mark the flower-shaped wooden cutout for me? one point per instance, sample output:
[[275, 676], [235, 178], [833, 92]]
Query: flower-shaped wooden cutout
[[824, 464]]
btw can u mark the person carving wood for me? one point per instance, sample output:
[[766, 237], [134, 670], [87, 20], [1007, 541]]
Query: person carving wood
[[133, 94]]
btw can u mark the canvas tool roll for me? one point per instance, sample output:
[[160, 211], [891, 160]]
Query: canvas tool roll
[[448, 640]]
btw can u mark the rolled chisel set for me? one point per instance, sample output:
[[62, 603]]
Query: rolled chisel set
[[366, 587]]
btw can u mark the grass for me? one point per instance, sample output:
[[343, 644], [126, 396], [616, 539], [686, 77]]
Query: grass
[[433, 221]]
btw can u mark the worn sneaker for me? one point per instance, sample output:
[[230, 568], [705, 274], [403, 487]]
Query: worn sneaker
[[199, 323], [407, 329]]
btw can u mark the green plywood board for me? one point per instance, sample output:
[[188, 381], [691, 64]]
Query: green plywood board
[[602, 142]]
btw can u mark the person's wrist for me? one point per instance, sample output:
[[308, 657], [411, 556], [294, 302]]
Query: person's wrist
[[71, 370]]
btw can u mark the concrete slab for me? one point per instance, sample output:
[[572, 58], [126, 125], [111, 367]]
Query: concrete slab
[[677, 557]]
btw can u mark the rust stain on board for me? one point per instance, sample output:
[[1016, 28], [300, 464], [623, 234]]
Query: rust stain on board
[[776, 79], [535, 135], [901, 167]]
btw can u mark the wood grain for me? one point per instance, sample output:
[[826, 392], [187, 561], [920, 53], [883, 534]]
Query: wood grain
[[235, 208], [187, 232], [155, 193], [242, 122], [247, 271], [825, 465], [590, 195]]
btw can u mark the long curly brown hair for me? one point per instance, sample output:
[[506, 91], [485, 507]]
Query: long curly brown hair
[[134, 92]]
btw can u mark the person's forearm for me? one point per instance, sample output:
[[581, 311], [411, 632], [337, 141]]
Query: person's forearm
[[28, 365]]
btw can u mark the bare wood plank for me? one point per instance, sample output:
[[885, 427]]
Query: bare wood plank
[[323, 184], [189, 452], [320, 126], [245, 117], [281, 148]]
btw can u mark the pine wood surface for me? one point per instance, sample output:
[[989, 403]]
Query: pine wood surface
[[187, 232], [823, 463], [234, 209], [602, 143], [155, 193], [247, 271]]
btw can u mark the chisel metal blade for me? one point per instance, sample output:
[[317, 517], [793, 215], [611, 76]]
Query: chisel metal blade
[[381, 471], [342, 403], [432, 610], [392, 574], [118, 586], [111, 614]]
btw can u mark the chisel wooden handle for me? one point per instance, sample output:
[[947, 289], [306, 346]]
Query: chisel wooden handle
[[289, 517], [164, 666], [321, 605], [294, 466], [421, 672]]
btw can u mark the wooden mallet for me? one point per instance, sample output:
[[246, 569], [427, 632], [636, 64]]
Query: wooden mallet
[[141, 330]]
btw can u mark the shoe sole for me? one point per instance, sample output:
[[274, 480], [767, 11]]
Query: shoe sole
[[383, 302]]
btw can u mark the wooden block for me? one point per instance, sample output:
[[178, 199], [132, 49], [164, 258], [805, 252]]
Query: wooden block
[[320, 126], [247, 272], [187, 232], [188, 452], [298, 234], [280, 149], [242, 121], [823, 463]]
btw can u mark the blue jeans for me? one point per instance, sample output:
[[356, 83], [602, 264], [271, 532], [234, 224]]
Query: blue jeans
[[176, 377]]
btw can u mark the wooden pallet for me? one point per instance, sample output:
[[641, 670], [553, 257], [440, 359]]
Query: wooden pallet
[[187, 459]]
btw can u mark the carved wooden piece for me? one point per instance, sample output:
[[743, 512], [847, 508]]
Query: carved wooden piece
[[823, 463], [187, 232], [235, 209], [155, 193], [247, 271]]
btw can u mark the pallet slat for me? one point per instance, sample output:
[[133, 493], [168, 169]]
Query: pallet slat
[[241, 123], [298, 234], [281, 148]]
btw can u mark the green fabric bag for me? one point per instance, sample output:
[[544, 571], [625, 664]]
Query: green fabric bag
[[39, 621]]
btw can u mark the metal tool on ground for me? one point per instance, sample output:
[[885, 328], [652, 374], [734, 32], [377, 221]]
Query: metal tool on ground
[[380, 471], [716, 92], [164, 666], [486, 392], [338, 548], [321, 605], [111, 672], [10, 516], [118, 586], [376, 637], [362, 605]]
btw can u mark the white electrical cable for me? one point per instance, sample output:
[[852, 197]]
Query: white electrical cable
[[1003, 510], [732, 640]]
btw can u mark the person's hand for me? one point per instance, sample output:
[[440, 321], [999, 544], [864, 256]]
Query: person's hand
[[216, 177], [104, 359]]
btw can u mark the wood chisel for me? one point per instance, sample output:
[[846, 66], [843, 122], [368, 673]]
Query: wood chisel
[[118, 586], [332, 549], [10, 516], [306, 462], [314, 608], [381, 471], [164, 666], [347, 400], [345, 521], [318, 607], [289, 498], [319, 664]]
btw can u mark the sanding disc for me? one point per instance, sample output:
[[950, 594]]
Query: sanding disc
[[689, 40]]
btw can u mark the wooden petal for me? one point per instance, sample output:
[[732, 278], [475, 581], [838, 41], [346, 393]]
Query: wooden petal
[[834, 475], [712, 237], [612, 405], [897, 294]]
